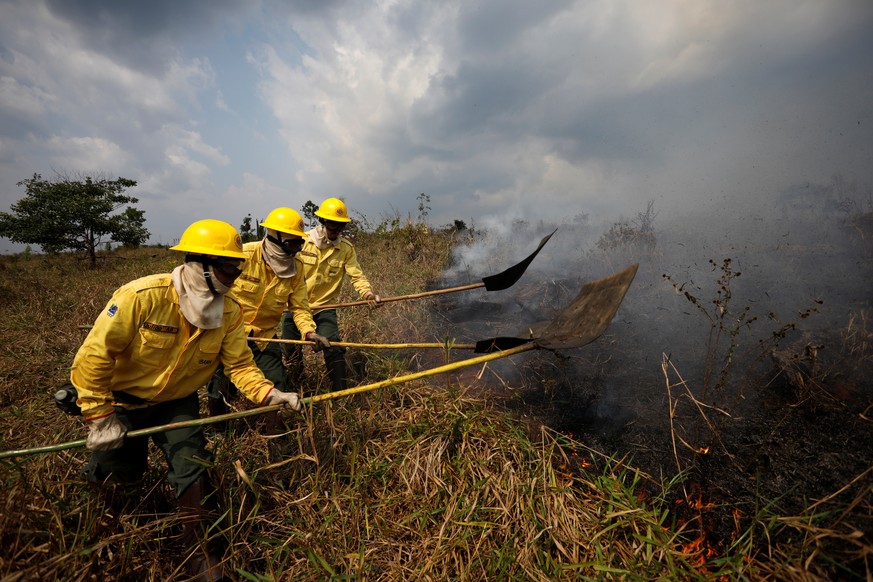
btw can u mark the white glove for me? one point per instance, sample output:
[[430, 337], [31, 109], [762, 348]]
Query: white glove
[[105, 433], [289, 399], [372, 299]]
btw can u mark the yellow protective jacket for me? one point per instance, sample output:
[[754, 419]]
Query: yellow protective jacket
[[324, 270], [142, 345], [264, 296]]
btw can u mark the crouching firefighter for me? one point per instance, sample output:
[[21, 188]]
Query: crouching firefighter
[[156, 342]]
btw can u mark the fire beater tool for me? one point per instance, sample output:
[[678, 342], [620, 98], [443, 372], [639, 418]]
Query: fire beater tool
[[581, 322], [498, 282], [446, 345]]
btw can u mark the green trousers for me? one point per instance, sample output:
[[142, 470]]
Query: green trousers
[[184, 448], [268, 360], [334, 357]]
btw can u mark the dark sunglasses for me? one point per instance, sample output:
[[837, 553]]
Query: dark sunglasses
[[229, 267], [332, 225]]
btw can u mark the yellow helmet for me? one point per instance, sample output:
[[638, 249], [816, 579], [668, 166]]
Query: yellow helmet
[[285, 220], [211, 237], [333, 209]]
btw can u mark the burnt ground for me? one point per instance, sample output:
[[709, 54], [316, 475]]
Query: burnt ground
[[794, 432], [782, 422]]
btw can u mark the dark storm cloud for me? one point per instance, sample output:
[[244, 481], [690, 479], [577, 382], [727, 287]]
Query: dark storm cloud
[[25, 110], [140, 33], [6, 55], [481, 97], [520, 100], [495, 25], [410, 21], [14, 125], [309, 7], [618, 129], [488, 106]]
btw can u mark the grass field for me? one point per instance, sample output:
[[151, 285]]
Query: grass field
[[427, 480]]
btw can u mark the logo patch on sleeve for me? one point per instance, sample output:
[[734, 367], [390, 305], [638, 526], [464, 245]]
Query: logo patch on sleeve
[[113, 309]]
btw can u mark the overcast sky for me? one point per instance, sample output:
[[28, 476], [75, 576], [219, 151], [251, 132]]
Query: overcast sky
[[494, 108]]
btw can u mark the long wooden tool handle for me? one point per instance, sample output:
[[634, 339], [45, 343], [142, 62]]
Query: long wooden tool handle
[[264, 409], [442, 345], [402, 297], [416, 375]]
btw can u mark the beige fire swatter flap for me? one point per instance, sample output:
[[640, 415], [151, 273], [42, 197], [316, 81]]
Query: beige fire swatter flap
[[587, 316], [580, 323]]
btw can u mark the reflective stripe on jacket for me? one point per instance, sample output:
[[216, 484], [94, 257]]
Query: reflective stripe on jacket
[[142, 345], [264, 296], [324, 270]]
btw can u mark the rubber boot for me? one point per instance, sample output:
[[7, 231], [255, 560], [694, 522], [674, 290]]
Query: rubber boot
[[205, 561], [218, 391], [273, 425], [217, 407], [293, 361], [335, 362]]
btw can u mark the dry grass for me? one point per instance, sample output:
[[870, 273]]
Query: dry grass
[[421, 481]]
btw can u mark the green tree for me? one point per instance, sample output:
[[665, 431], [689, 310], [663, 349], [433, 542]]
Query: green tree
[[246, 232], [78, 215], [309, 214]]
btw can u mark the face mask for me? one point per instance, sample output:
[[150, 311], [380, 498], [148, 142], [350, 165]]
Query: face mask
[[280, 258], [200, 298], [290, 246]]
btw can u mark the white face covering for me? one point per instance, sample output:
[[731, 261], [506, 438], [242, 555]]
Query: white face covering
[[282, 263], [318, 236], [199, 305]]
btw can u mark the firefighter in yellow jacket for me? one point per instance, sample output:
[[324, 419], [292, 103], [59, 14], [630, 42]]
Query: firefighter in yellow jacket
[[155, 343], [327, 257], [272, 280]]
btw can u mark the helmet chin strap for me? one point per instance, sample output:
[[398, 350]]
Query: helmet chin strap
[[208, 265], [207, 274]]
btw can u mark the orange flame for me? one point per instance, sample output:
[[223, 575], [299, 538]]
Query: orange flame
[[701, 551], [695, 501], [693, 546]]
